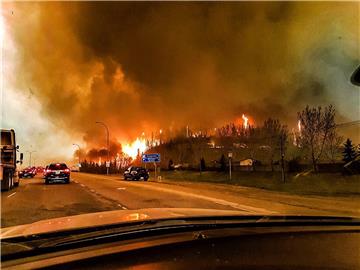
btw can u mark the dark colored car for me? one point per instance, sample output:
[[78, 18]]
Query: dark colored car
[[57, 172], [27, 173], [136, 173]]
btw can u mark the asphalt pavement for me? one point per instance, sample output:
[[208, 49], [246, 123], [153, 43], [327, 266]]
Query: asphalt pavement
[[86, 193]]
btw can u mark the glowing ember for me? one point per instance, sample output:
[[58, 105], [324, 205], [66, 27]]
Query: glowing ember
[[294, 136], [132, 150], [245, 121]]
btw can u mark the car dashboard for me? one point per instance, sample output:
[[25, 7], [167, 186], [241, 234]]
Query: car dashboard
[[261, 247]]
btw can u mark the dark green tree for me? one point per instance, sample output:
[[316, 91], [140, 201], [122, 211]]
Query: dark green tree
[[202, 164], [349, 152], [171, 165], [222, 163]]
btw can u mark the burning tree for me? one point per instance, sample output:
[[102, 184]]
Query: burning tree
[[316, 125]]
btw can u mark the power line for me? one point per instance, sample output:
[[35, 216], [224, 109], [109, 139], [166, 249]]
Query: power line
[[352, 123]]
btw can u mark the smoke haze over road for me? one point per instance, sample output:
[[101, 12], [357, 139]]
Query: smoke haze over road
[[145, 66]]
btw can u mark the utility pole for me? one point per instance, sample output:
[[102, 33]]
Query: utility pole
[[282, 154], [30, 153], [155, 171], [160, 131], [75, 144], [107, 143]]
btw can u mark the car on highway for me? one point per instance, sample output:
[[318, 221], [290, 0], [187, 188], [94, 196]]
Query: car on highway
[[136, 173], [56, 172], [45, 169], [29, 172], [34, 171], [75, 168], [40, 169]]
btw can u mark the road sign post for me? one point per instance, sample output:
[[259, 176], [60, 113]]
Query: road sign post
[[107, 163], [152, 158], [155, 170], [230, 157]]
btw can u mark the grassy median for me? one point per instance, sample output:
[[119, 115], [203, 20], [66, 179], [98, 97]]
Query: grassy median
[[311, 184]]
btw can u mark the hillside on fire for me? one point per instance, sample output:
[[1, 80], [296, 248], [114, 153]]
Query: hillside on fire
[[313, 145]]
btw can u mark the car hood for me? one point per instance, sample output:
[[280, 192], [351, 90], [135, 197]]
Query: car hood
[[108, 218]]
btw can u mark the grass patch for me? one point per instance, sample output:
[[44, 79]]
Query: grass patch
[[311, 184]]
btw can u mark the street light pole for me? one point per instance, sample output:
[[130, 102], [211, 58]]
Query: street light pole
[[75, 144], [107, 142], [30, 153], [230, 159]]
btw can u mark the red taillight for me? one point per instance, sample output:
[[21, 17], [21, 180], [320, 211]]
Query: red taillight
[[48, 171], [67, 170]]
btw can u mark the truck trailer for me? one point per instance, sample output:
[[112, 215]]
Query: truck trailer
[[8, 160]]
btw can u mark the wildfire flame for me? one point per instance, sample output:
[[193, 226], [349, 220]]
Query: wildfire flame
[[137, 146], [246, 124], [299, 126]]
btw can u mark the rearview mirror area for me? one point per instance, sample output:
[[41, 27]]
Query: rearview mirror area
[[21, 157], [355, 78]]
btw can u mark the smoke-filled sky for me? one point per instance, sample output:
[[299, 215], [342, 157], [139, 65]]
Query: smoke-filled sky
[[145, 66]]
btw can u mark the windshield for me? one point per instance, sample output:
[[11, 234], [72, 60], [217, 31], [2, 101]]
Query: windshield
[[223, 106], [6, 138]]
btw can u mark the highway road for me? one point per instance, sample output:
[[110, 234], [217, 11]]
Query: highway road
[[33, 200]]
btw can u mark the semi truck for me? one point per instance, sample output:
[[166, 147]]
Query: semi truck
[[8, 160]]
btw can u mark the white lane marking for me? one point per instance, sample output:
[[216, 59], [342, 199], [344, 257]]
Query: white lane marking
[[121, 188], [247, 208], [82, 185], [12, 194], [92, 190], [76, 182]]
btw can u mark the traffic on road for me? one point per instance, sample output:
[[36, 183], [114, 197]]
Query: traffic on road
[[180, 135]]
